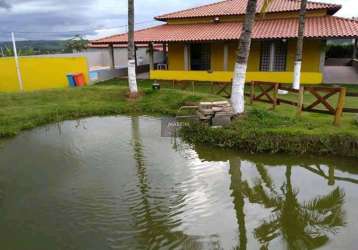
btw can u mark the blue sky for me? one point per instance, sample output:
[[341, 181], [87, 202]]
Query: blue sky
[[56, 19]]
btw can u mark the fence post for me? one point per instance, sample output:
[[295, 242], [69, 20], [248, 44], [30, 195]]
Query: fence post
[[275, 93], [300, 100], [340, 106], [252, 93]]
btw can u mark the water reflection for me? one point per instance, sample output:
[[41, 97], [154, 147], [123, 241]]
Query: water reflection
[[155, 229], [114, 183], [302, 225], [298, 224]]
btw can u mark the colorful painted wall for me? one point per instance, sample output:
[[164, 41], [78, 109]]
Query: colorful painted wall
[[40, 72]]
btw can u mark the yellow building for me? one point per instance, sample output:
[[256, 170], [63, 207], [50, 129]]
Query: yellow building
[[201, 42]]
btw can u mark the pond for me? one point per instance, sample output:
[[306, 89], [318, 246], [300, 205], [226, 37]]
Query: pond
[[115, 183]]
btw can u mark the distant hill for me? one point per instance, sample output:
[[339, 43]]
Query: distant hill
[[38, 47]]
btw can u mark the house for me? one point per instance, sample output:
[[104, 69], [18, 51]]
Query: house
[[201, 42]]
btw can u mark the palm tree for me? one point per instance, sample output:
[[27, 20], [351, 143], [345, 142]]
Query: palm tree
[[299, 49], [243, 52], [238, 84], [132, 79], [301, 225]]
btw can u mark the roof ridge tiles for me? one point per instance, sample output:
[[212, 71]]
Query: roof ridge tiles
[[192, 8], [220, 8]]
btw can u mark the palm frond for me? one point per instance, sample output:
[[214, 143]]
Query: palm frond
[[266, 4], [333, 200], [268, 230]]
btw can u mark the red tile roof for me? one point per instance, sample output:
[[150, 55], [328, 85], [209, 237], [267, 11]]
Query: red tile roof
[[316, 27], [105, 45], [238, 7]]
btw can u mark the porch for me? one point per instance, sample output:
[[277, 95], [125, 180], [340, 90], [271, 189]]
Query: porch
[[214, 61]]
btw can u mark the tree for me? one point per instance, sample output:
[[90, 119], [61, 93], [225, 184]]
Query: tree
[[76, 44], [132, 80], [238, 84], [299, 49]]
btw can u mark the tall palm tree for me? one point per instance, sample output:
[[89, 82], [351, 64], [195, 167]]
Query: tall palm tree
[[243, 52], [299, 49], [238, 84], [132, 79]]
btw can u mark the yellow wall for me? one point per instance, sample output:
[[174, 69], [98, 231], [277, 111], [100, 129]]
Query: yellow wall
[[176, 56], [217, 56], [8, 77], [40, 72], [311, 56], [226, 76]]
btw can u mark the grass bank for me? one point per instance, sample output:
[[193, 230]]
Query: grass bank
[[266, 131], [20, 111], [260, 130]]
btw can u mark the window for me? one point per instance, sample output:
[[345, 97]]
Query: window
[[273, 56], [200, 56]]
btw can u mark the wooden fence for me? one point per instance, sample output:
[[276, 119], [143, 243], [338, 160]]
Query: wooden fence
[[268, 92]]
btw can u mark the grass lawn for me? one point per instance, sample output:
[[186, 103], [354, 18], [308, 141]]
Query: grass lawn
[[309, 122], [21, 111], [259, 130]]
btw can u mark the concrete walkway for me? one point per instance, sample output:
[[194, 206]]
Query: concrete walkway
[[340, 74]]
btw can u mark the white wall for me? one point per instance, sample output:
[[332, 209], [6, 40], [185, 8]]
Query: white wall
[[100, 57]]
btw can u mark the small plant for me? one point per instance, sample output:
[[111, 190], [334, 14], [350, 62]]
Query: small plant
[[355, 121]]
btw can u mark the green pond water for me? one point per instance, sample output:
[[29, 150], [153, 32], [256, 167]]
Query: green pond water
[[114, 183]]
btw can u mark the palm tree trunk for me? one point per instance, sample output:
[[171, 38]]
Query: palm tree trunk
[[238, 84], [132, 79], [298, 61]]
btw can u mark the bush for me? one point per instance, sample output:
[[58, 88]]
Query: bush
[[339, 51]]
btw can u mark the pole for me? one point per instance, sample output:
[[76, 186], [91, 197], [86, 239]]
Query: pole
[[17, 62]]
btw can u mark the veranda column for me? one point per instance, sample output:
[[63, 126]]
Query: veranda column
[[151, 56], [186, 57], [165, 52], [226, 57], [355, 45], [111, 56]]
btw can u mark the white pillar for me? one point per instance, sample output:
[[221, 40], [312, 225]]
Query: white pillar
[[226, 57], [111, 56], [151, 56], [323, 55], [19, 77]]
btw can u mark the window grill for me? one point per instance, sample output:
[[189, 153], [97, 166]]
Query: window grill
[[265, 57], [273, 56]]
